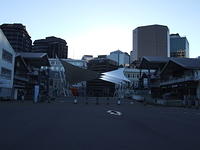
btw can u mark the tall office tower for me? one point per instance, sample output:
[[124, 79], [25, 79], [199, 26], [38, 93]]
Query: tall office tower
[[152, 40], [53, 46], [17, 36], [179, 46]]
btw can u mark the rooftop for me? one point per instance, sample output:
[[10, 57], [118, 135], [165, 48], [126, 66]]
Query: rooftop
[[153, 26], [187, 63]]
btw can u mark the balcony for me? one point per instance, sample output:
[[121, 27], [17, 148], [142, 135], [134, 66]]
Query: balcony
[[179, 80], [21, 78]]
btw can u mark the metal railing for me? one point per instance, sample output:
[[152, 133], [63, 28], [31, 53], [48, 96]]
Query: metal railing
[[180, 79]]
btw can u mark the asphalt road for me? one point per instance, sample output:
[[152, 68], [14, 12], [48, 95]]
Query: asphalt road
[[67, 126]]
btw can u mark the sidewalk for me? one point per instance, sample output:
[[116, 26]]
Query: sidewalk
[[171, 103]]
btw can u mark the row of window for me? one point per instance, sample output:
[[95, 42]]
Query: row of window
[[132, 75], [72, 62], [6, 73], [7, 56], [55, 63], [57, 68], [180, 53]]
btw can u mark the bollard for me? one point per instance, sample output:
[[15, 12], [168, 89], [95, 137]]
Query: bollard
[[75, 101], [97, 101], [184, 103], [48, 100], [107, 101], [155, 101], [197, 104], [188, 103], [86, 102], [119, 102]]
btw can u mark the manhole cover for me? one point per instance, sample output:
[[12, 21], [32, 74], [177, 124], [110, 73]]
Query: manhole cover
[[113, 112]]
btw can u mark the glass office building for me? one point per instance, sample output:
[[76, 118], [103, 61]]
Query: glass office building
[[179, 46]]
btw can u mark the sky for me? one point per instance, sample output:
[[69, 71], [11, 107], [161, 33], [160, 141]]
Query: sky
[[97, 27]]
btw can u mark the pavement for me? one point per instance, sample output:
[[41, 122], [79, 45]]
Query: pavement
[[67, 126]]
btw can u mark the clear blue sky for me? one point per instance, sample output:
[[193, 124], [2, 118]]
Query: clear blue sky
[[101, 26]]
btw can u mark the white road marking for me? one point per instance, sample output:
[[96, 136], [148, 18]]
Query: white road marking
[[113, 112]]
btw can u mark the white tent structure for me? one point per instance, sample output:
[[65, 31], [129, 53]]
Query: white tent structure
[[111, 79], [117, 77], [74, 74]]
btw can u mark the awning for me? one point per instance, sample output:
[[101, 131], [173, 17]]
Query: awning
[[116, 76]]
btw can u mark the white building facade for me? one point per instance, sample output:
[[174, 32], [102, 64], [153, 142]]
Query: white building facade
[[7, 62], [134, 76]]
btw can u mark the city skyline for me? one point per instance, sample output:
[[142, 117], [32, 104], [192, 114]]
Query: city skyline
[[95, 28]]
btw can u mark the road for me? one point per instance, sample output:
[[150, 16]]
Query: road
[[68, 126]]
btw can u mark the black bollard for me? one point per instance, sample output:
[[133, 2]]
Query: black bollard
[[196, 104], [97, 100], [118, 102], [86, 100], [75, 100], [107, 101]]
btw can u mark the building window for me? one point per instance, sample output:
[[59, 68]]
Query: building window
[[52, 62], [6, 73], [7, 56], [51, 82], [56, 75]]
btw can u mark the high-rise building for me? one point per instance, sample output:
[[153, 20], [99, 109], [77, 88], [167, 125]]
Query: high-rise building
[[179, 46], [17, 36], [152, 40], [53, 46], [122, 58]]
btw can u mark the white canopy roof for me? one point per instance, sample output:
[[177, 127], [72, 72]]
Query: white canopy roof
[[112, 79], [116, 76]]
